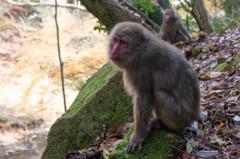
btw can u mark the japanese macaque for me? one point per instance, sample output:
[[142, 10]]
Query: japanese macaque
[[163, 85], [172, 29]]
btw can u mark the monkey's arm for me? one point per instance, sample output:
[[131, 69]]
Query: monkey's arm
[[142, 115], [183, 31], [164, 37]]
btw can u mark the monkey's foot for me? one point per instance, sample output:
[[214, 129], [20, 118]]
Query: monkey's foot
[[136, 140], [133, 145], [190, 132], [156, 124]]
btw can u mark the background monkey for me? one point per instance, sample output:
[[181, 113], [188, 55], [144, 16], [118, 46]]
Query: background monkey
[[160, 80], [172, 29]]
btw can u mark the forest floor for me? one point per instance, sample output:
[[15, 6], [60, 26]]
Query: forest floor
[[30, 83], [217, 64]]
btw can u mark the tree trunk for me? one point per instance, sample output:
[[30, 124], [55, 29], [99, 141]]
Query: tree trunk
[[111, 12], [204, 16]]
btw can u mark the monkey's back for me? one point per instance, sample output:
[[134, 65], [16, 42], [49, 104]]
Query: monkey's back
[[165, 68]]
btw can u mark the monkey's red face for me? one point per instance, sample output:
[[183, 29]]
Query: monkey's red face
[[119, 45]]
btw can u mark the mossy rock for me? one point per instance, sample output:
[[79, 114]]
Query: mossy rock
[[200, 55], [235, 62], [159, 145], [101, 100], [227, 66], [221, 67]]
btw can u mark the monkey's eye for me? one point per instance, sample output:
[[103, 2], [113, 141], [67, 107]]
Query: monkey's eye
[[123, 42], [115, 40]]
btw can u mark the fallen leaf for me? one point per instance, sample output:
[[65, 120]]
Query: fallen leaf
[[215, 74], [191, 145], [206, 154], [236, 118], [185, 156]]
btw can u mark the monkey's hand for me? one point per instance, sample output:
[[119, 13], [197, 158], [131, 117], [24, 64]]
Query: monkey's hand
[[134, 143]]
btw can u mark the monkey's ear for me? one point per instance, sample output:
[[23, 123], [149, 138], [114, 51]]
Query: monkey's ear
[[145, 35]]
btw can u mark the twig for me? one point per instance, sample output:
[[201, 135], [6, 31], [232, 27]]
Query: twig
[[93, 138], [188, 3], [94, 154], [231, 134], [45, 5], [103, 132], [182, 43], [178, 149], [234, 111], [59, 56], [119, 136], [185, 8], [187, 152], [193, 12]]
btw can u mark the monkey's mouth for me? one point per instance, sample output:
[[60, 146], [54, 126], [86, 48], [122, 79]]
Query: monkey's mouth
[[115, 59], [167, 16]]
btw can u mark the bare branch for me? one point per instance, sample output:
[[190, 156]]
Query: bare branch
[[185, 8], [193, 12], [188, 3], [147, 20], [45, 5], [59, 57], [193, 4]]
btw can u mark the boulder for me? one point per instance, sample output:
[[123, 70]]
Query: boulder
[[101, 100]]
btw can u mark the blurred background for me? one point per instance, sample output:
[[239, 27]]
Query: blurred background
[[30, 81]]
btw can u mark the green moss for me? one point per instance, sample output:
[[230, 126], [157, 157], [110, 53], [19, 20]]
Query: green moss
[[158, 146], [221, 67], [101, 100], [227, 66], [209, 63], [235, 62], [94, 84], [200, 55], [3, 118]]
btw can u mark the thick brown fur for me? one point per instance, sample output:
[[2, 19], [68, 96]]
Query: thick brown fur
[[173, 30], [160, 80]]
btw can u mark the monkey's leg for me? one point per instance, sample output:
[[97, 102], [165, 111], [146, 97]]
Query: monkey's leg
[[172, 112], [185, 33], [181, 36], [155, 122], [142, 115]]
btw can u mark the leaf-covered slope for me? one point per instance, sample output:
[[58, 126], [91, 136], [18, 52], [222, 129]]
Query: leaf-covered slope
[[218, 70]]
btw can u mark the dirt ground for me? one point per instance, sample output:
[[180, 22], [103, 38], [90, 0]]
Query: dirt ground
[[30, 84]]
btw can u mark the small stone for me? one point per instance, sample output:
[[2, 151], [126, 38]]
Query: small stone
[[221, 60], [219, 116]]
